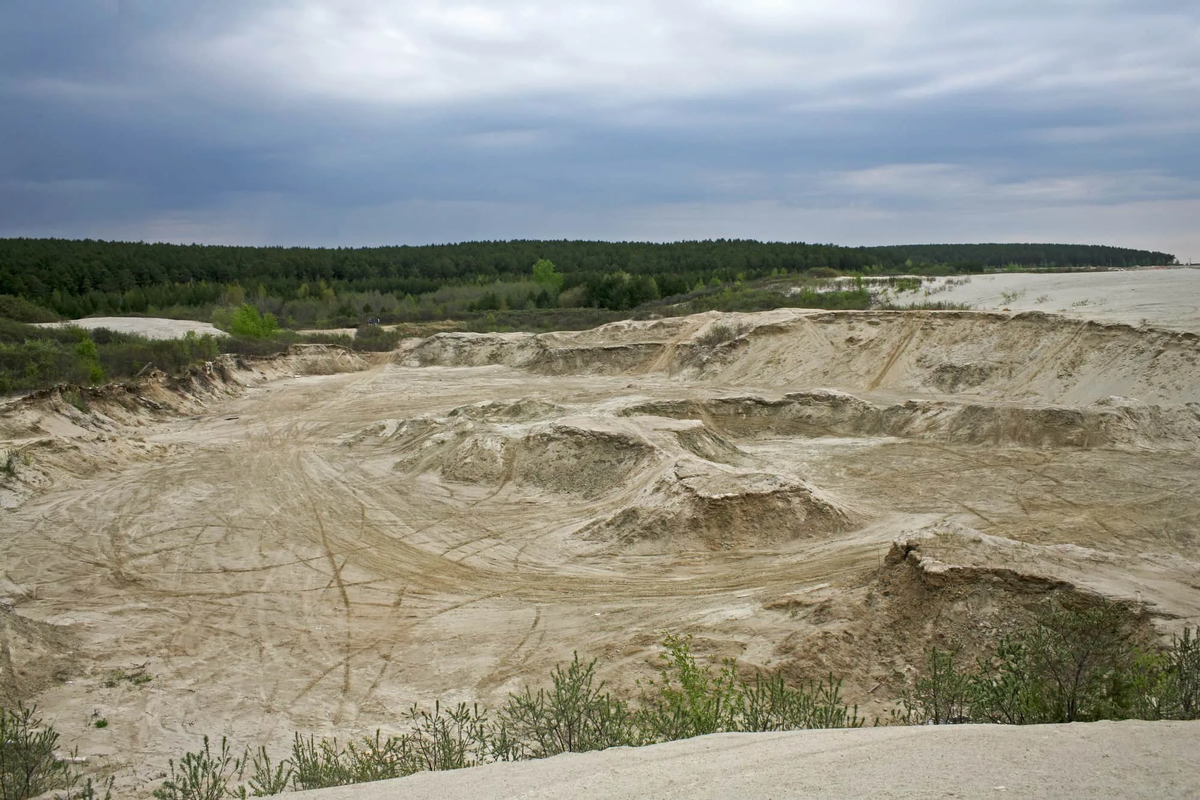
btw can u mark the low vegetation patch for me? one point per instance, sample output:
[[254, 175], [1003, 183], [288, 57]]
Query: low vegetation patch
[[135, 676], [1067, 664], [29, 766], [718, 334], [34, 358]]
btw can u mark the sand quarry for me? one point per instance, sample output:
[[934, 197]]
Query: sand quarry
[[317, 542]]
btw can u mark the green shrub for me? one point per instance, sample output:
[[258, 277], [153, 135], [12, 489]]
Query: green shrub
[[1085, 658], [13, 458], [320, 765], [942, 695], [268, 778], [246, 321], [202, 775], [86, 352], [574, 716], [1006, 687], [375, 338], [78, 399], [1066, 664], [22, 310], [28, 766], [718, 334], [1183, 669], [451, 738], [769, 704], [688, 699], [1169, 685]]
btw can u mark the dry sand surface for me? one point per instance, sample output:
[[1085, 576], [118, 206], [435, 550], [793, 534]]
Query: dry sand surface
[[150, 327], [1167, 297], [1103, 759], [314, 544]]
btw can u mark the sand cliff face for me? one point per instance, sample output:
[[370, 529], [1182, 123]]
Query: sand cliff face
[[1031, 357], [318, 542]]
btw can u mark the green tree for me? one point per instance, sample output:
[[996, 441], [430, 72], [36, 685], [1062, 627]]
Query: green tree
[[248, 322], [546, 275], [90, 357]]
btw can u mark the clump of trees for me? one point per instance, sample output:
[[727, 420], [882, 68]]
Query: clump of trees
[[247, 321], [1064, 665]]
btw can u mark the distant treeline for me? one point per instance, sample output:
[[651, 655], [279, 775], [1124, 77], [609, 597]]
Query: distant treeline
[[329, 287], [1061, 256]]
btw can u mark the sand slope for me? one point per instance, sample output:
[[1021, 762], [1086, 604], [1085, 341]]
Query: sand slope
[[1125, 759], [1155, 296]]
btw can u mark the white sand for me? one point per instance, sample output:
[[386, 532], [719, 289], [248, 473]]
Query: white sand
[[1163, 297], [150, 327]]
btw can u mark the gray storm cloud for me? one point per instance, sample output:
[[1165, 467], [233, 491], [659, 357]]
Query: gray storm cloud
[[361, 122]]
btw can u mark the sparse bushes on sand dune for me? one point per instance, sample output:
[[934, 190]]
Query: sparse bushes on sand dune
[[573, 713], [1066, 664]]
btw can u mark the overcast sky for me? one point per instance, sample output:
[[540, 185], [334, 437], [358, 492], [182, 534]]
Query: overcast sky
[[363, 122]]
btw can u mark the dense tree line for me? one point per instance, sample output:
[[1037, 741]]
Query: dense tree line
[[81, 278], [1060, 256]]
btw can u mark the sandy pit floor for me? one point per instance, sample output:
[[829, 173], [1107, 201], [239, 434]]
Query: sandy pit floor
[[286, 551]]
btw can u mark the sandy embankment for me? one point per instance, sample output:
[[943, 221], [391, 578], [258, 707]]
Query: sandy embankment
[[1103, 759]]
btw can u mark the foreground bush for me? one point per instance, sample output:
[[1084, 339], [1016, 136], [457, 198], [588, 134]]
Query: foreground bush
[[1065, 665], [573, 714], [28, 765]]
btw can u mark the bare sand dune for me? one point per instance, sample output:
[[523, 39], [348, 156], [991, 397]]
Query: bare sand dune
[[1154, 296], [316, 543]]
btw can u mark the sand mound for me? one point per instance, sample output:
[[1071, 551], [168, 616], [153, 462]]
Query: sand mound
[[316, 359], [522, 410], [541, 445], [76, 431], [698, 505], [581, 456], [33, 655], [150, 327]]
